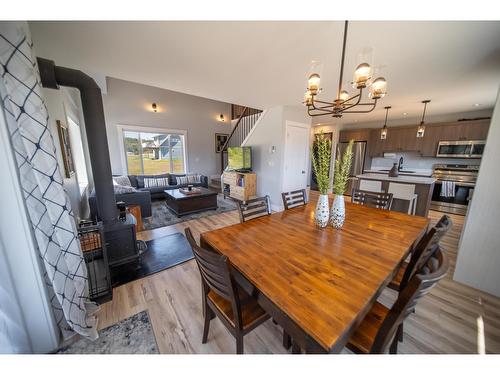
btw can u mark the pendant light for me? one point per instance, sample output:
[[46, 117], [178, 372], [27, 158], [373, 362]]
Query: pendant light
[[383, 131], [421, 127]]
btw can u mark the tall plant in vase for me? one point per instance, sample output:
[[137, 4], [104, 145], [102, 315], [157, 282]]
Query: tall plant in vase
[[321, 155], [342, 170]]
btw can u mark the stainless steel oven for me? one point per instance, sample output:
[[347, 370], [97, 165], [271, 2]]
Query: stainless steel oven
[[460, 149], [454, 197]]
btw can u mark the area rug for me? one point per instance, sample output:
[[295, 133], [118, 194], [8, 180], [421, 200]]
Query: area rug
[[133, 335], [161, 253], [163, 217]]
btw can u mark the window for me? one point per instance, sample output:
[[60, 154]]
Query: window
[[154, 153], [75, 138]]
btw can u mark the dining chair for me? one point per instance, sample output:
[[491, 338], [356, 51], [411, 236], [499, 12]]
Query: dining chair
[[371, 185], [404, 192], [293, 199], [378, 330], [238, 311], [254, 208], [372, 199], [424, 249]]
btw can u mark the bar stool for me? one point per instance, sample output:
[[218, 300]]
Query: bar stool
[[370, 185], [404, 192]]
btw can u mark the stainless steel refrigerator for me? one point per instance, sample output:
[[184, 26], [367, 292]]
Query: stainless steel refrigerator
[[358, 161]]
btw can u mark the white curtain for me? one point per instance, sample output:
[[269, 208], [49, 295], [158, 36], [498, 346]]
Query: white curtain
[[46, 201]]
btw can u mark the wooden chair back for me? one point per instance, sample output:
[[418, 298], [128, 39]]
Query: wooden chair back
[[433, 270], [254, 208], [372, 199], [425, 249], [293, 199], [216, 276]]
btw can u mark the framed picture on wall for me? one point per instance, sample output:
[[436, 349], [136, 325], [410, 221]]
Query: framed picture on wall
[[220, 140], [67, 154]]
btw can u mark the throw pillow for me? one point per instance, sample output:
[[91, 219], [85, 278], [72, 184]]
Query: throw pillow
[[155, 182], [182, 180], [194, 178], [120, 189], [122, 180]]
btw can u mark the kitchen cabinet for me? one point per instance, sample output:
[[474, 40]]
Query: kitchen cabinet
[[356, 134], [404, 138], [459, 131], [398, 139]]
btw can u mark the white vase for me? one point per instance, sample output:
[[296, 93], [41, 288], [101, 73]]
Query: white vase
[[322, 211], [337, 214]]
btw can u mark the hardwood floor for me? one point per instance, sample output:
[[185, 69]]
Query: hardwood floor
[[452, 318]]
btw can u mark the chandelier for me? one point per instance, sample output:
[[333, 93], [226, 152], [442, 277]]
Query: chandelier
[[344, 103]]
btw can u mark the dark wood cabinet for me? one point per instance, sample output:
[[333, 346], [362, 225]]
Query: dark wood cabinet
[[356, 134], [404, 138]]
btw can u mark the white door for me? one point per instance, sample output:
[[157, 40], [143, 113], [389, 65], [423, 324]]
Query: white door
[[296, 156]]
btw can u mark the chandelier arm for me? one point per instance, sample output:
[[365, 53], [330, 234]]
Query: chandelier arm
[[322, 102], [321, 107], [322, 110], [368, 111], [320, 114], [359, 96], [351, 98]]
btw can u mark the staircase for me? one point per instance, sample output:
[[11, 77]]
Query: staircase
[[246, 118]]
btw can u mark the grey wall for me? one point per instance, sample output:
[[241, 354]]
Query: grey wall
[[129, 103], [478, 261]]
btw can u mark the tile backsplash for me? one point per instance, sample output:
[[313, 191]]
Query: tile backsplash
[[414, 160]]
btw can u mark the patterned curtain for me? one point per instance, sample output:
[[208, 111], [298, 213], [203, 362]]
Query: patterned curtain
[[41, 181]]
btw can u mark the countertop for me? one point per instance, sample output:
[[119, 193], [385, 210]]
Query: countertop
[[415, 172], [401, 178]]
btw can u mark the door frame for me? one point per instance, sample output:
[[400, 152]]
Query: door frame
[[285, 148]]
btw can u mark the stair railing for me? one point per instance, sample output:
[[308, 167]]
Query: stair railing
[[241, 129]]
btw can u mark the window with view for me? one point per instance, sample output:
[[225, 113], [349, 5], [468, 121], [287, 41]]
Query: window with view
[[154, 153]]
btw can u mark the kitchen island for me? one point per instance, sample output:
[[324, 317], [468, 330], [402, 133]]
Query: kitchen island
[[424, 187]]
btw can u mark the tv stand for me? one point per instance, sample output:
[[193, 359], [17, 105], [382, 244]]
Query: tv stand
[[239, 185]]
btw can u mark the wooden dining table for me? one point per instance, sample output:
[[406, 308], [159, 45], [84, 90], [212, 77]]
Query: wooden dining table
[[318, 283]]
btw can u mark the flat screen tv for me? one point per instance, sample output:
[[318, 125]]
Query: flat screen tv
[[239, 158]]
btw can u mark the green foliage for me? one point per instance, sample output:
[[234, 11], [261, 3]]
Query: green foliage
[[342, 168], [321, 156]]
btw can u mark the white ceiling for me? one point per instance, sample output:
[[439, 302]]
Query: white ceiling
[[263, 64]]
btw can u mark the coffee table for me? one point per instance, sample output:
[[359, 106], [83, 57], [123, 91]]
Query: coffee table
[[182, 204]]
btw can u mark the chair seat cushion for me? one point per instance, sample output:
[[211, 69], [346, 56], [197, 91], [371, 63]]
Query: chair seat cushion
[[251, 313], [362, 339], [396, 281]]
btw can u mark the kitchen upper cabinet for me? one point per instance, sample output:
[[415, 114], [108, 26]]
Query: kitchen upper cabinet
[[404, 138], [398, 139], [356, 134], [474, 130], [459, 131]]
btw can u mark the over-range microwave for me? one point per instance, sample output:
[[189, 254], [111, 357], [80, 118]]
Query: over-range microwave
[[460, 149]]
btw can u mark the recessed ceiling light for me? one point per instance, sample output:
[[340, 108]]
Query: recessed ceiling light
[[477, 104], [405, 113]]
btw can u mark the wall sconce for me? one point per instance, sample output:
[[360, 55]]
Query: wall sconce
[[222, 118], [155, 107]]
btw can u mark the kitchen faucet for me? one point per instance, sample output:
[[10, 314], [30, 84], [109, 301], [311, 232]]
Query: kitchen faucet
[[400, 164]]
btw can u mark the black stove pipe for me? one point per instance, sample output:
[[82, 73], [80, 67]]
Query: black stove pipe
[[93, 112]]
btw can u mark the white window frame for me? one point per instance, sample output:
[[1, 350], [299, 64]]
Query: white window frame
[[148, 129]]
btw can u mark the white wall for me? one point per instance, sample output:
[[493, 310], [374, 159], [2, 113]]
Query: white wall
[[269, 165], [478, 261], [129, 103], [61, 104]]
